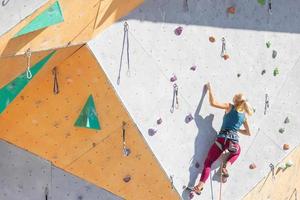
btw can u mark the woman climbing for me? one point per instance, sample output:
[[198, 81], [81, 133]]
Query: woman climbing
[[228, 138]]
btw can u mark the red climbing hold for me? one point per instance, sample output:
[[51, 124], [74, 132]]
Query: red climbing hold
[[212, 39], [226, 57], [231, 10], [178, 31], [252, 166], [286, 147], [127, 178]]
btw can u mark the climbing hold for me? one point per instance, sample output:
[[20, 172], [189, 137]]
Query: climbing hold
[[281, 166], [286, 147], [159, 121], [287, 120], [173, 78], [263, 72], [261, 2], [274, 54], [152, 131], [281, 130], [226, 56], [212, 39], [276, 71], [127, 178], [193, 68], [197, 165], [231, 10], [252, 166], [191, 195], [188, 118], [178, 31], [268, 44], [88, 117], [238, 75], [289, 164]]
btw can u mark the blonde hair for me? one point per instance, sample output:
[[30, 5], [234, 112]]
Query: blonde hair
[[242, 104]]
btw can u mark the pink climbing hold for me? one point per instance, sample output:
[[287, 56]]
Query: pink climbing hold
[[193, 68], [178, 31], [159, 121], [173, 78]]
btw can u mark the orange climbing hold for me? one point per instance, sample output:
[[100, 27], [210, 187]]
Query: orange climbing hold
[[231, 10], [226, 56], [286, 147]]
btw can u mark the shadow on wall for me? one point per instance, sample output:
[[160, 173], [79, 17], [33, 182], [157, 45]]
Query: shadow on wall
[[249, 14], [205, 138]]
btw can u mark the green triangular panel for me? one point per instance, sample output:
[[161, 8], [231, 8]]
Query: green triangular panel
[[53, 15], [88, 117], [9, 92]]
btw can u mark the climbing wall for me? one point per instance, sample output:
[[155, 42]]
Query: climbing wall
[[27, 176], [113, 156], [167, 42]]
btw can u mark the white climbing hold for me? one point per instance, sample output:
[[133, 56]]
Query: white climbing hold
[[289, 164]]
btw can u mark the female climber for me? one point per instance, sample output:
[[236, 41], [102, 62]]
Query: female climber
[[228, 138]]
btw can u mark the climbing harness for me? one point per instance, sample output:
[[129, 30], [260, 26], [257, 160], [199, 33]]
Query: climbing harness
[[175, 103], [46, 192], [270, 7], [233, 138], [125, 37], [28, 72], [267, 103], [126, 151], [223, 52], [55, 81], [272, 169]]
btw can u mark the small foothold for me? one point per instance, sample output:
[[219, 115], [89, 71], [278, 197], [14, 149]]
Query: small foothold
[[286, 147], [159, 121], [173, 78], [281, 130], [289, 164], [193, 68], [252, 166], [178, 31], [94, 144], [268, 44], [197, 165], [274, 54], [188, 118], [281, 166], [126, 151], [226, 57], [151, 131], [238, 75], [276, 71], [127, 178], [231, 10], [263, 72], [211, 39], [287, 120], [261, 2]]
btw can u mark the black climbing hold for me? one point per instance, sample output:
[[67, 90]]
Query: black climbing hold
[[274, 54], [188, 118], [80, 197], [238, 75], [127, 178], [263, 72], [197, 165], [281, 130], [287, 120], [159, 121], [151, 131]]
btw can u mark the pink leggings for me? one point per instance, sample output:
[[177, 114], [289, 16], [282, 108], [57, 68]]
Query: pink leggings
[[214, 153]]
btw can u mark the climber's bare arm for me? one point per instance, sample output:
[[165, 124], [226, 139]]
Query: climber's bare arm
[[245, 131], [213, 102]]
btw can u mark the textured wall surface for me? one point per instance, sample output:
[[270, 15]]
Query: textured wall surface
[[157, 53], [26, 176]]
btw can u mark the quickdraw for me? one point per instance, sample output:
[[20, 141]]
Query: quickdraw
[[185, 5], [272, 169], [223, 52], [125, 37], [126, 150], [46, 192], [55, 81], [270, 7], [28, 72], [267, 103], [175, 103]]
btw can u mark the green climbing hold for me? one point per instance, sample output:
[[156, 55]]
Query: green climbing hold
[[88, 117], [53, 15], [9, 92], [268, 44], [276, 71], [262, 2]]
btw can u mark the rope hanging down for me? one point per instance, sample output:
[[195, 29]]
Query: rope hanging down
[[223, 52], [55, 81], [126, 150], [28, 72], [175, 98], [125, 37]]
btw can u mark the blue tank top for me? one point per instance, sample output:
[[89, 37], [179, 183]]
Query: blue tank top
[[233, 120]]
